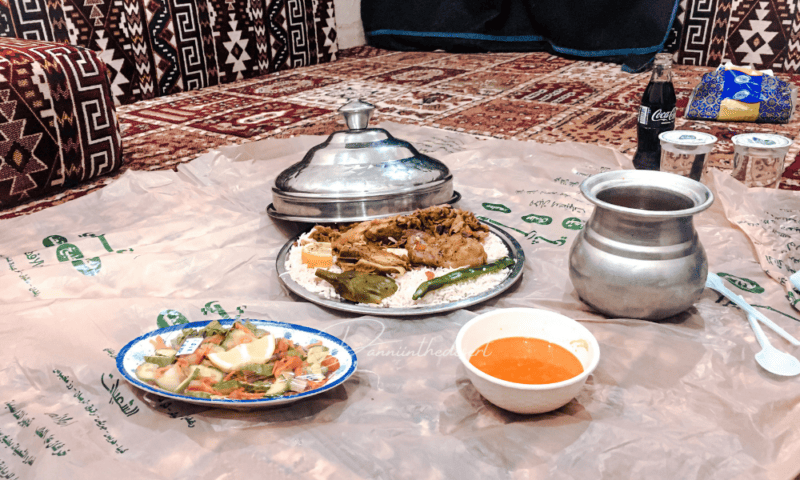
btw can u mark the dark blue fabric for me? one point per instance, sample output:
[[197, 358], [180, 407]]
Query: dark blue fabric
[[629, 32]]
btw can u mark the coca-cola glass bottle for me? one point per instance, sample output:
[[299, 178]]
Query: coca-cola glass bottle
[[656, 114]]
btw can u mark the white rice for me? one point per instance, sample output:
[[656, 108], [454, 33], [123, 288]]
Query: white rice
[[406, 283]]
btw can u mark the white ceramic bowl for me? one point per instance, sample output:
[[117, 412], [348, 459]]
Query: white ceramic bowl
[[527, 322]]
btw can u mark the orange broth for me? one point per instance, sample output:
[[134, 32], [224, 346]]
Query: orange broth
[[531, 361]]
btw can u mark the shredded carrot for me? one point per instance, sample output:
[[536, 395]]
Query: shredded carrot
[[158, 343], [286, 363], [198, 355], [229, 376], [242, 327], [298, 371], [203, 387], [430, 275], [281, 346], [215, 339], [332, 363], [318, 344], [241, 394], [311, 385]]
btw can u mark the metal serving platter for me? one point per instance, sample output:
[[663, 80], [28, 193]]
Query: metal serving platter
[[515, 252]]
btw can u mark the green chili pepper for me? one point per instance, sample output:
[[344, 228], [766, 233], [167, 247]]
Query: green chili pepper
[[460, 276]]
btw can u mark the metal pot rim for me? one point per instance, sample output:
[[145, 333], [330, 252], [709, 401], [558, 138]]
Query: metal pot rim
[[698, 193]]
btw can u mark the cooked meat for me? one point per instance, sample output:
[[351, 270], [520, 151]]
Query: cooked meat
[[369, 258], [385, 231], [322, 233], [439, 236], [450, 251], [351, 236], [444, 219]]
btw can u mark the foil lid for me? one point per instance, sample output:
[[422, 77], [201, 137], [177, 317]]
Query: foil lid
[[687, 138], [761, 140], [359, 174]]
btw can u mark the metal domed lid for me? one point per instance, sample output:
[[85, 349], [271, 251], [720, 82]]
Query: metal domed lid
[[359, 174]]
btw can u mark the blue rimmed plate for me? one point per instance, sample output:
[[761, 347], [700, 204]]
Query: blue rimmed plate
[[132, 355]]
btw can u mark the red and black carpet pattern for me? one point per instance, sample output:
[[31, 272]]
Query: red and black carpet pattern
[[519, 96]]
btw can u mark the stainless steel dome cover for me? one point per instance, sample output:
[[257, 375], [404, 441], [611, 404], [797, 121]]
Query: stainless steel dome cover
[[360, 174]]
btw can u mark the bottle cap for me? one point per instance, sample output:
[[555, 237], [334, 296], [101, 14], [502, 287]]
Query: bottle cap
[[662, 58]]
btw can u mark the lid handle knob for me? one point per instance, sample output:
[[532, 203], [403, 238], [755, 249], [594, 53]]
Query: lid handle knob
[[357, 114]]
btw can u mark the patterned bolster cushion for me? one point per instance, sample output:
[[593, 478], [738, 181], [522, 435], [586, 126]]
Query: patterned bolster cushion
[[58, 125], [739, 94]]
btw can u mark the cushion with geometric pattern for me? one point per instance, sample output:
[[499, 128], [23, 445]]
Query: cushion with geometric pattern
[[58, 124]]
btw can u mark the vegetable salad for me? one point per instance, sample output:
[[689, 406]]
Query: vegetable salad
[[239, 363]]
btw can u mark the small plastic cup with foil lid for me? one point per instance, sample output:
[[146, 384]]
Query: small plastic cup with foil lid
[[684, 152], [758, 159]]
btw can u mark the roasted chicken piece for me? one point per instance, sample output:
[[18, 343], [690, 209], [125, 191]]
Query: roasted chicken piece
[[369, 258], [352, 236], [449, 251]]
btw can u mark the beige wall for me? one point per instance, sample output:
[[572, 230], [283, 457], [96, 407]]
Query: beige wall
[[348, 23]]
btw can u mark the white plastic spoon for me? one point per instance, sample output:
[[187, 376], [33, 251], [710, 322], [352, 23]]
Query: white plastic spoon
[[770, 358], [714, 282]]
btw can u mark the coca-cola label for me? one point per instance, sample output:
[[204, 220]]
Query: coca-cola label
[[656, 118]]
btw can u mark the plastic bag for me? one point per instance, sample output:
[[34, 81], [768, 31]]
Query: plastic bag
[[739, 94]]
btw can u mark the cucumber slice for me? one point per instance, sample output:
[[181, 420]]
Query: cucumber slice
[[195, 394], [146, 372], [205, 371], [159, 360], [227, 386], [278, 388], [185, 383], [171, 379], [256, 387]]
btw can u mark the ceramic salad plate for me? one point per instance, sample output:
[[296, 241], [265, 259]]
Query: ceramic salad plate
[[132, 355]]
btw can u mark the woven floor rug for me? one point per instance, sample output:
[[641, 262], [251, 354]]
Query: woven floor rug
[[533, 97]]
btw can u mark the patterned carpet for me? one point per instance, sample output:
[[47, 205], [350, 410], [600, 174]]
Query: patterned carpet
[[522, 96], [746, 32]]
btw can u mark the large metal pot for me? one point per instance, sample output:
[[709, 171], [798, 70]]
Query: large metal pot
[[639, 255]]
